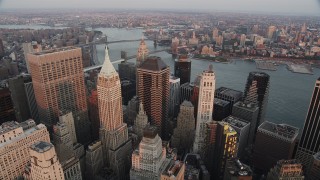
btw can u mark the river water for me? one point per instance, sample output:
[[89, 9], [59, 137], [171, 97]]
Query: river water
[[289, 95]]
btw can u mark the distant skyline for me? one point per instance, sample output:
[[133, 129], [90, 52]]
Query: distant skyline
[[293, 7]]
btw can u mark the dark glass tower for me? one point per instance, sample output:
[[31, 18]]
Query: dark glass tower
[[309, 142], [257, 92], [182, 69]]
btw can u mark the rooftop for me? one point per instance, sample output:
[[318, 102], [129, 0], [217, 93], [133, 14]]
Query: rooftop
[[235, 121], [173, 168], [281, 130], [41, 146], [150, 132], [236, 168], [55, 50], [153, 63], [187, 103], [260, 74], [220, 102], [247, 106], [228, 92]]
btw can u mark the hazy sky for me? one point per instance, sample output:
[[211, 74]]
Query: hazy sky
[[281, 6]]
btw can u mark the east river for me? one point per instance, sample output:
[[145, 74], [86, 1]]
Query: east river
[[289, 93]]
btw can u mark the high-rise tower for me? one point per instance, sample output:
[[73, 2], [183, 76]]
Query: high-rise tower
[[153, 91], [205, 108], [58, 82], [309, 143], [140, 122], [257, 92], [143, 52], [113, 131], [182, 69]]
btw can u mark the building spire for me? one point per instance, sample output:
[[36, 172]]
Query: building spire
[[141, 110], [107, 68]]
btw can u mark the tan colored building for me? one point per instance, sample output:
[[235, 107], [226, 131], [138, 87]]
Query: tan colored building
[[58, 82], [205, 108], [44, 162], [174, 171], [15, 140], [286, 169], [153, 91], [113, 131], [143, 52]]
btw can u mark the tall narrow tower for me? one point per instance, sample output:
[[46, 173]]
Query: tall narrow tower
[[113, 131], [143, 52], [205, 108], [309, 141]]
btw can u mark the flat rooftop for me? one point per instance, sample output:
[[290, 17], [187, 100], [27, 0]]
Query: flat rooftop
[[41, 146], [55, 50], [247, 106], [228, 92], [221, 102], [8, 126], [281, 130], [235, 121]]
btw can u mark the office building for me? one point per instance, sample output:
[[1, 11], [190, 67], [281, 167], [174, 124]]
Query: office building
[[133, 108], [235, 170], [242, 128], [174, 97], [248, 112], [257, 92], [210, 141], [113, 131], [183, 134], [44, 162], [30, 48], [153, 91], [127, 70], [205, 108], [89, 55], [186, 92], [286, 170], [93, 112], [308, 144], [143, 53], [195, 168], [19, 98], [2, 53], [15, 140], [174, 171], [242, 40], [221, 109], [314, 172], [140, 122], [94, 162], [227, 94], [7, 112], [31, 99], [58, 83], [271, 31], [273, 142], [182, 69], [150, 159], [225, 147]]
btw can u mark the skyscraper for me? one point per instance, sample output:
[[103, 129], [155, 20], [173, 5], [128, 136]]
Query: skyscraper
[[44, 162], [271, 31], [94, 162], [6, 106], [186, 91], [30, 48], [229, 95], [257, 92], [174, 98], [31, 99], [273, 142], [183, 135], [205, 108], [143, 53], [153, 91], [242, 39], [225, 148], [58, 82], [235, 170], [314, 172], [113, 131], [286, 169], [140, 122], [182, 69], [15, 140], [309, 143], [150, 159], [248, 112], [127, 70], [1, 49]]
